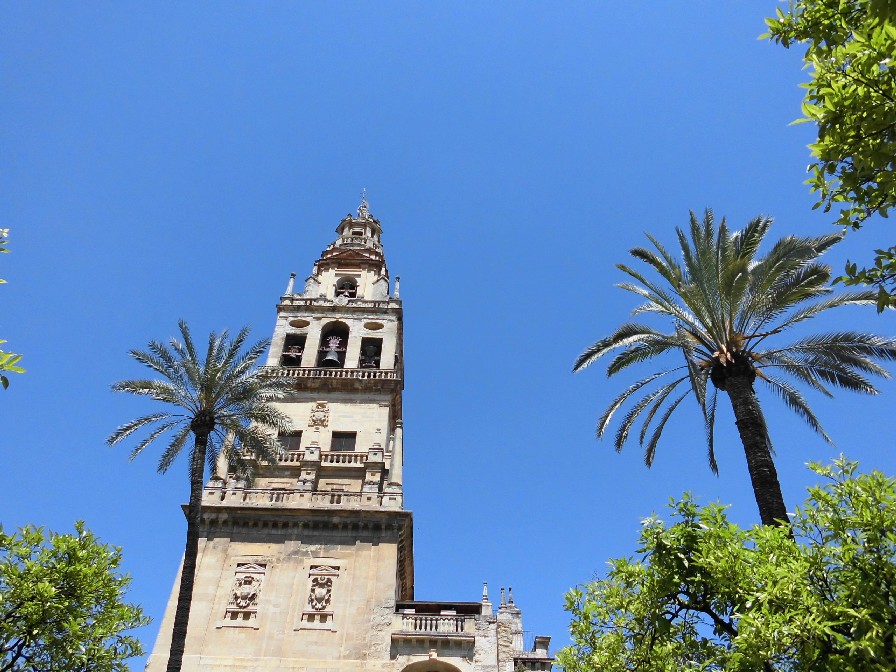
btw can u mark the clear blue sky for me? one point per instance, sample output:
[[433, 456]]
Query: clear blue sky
[[179, 160]]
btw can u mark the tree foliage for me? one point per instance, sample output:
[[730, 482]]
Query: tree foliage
[[851, 97], [728, 307], [61, 604], [702, 593], [9, 361]]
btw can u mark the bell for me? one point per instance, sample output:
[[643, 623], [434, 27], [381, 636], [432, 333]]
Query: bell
[[331, 359]]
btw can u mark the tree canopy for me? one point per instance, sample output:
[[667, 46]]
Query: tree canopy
[[851, 97], [9, 361], [62, 604], [701, 593]]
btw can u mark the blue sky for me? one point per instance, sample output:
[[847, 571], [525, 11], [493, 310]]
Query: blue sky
[[173, 160]]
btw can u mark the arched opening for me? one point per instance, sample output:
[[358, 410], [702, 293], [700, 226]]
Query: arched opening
[[347, 287], [431, 665], [293, 347], [371, 349], [333, 345]]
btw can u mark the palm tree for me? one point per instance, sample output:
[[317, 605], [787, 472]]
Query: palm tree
[[726, 306], [224, 402]]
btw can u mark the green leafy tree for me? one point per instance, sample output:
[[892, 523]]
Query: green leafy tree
[[704, 594], [728, 307], [61, 604], [224, 402], [9, 362], [851, 97]]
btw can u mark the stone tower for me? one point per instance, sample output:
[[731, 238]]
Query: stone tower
[[311, 567]]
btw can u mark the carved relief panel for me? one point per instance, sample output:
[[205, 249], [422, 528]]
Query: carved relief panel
[[242, 604], [320, 415], [318, 612]]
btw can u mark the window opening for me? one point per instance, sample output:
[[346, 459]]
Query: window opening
[[333, 344], [371, 349], [290, 441], [344, 441], [347, 287], [293, 347]]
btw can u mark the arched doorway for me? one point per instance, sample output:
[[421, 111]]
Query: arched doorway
[[431, 665]]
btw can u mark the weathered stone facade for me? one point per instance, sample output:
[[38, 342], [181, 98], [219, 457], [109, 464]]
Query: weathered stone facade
[[311, 567]]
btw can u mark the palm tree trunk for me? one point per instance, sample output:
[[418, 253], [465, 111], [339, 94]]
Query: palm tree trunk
[[754, 436], [191, 552]]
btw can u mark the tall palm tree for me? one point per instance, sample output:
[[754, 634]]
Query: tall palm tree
[[726, 306], [224, 402]]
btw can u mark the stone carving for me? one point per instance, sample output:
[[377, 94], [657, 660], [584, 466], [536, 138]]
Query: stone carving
[[321, 592], [242, 604], [245, 591], [320, 415]]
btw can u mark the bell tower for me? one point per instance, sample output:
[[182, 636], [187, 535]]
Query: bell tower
[[310, 567]]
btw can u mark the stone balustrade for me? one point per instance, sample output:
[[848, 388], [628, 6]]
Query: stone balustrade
[[299, 300], [336, 458], [433, 625], [363, 241], [323, 372], [356, 459]]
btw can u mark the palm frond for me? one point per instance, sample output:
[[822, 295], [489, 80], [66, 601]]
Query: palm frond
[[160, 390], [129, 428], [156, 433], [795, 402], [647, 348], [659, 395], [172, 368], [793, 367], [173, 450], [852, 298], [710, 423], [696, 376], [658, 402], [843, 343], [607, 415], [623, 336], [157, 363], [650, 449], [261, 443], [671, 274]]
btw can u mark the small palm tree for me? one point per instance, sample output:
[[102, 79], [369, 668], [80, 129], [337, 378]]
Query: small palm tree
[[224, 402], [726, 306]]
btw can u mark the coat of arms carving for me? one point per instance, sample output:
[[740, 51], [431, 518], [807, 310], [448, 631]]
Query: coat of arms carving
[[320, 415], [245, 591], [321, 592]]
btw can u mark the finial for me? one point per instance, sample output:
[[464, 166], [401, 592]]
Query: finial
[[510, 596], [503, 598], [485, 591], [397, 281], [292, 279], [364, 208]]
